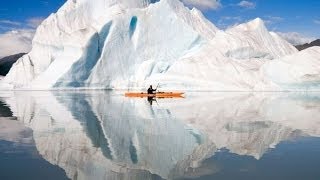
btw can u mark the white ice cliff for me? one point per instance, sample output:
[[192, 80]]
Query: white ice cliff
[[132, 43], [103, 135]]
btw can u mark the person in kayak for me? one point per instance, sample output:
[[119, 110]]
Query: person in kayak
[[151, 91]]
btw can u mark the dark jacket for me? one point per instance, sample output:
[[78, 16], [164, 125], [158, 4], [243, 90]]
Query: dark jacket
[[151, 91]]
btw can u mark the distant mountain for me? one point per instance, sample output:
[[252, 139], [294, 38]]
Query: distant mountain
[[7, 62], [307, 45]]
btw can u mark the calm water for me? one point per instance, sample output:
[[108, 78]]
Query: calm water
[[103, 135]]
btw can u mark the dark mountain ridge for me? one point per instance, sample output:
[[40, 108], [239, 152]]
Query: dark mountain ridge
[[7, 62], [307, 45]]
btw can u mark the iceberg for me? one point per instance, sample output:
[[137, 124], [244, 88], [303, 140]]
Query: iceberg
[[110, 44], [300, 71]]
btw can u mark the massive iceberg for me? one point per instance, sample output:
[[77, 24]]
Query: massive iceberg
[[129, 44]]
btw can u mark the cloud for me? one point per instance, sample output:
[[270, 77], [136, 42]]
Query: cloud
[[247, 4], [8, 22], [295, 38], [272, 19], [16, 41], [35, 22], [45, 3], [226, 22], [29, 23], [203, 4], [316, 21], [17, 36], [238, 18]]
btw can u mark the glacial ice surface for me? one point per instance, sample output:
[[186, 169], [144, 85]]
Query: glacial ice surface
[[110, 44]]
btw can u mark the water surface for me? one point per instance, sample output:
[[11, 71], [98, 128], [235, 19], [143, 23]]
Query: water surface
[[103, 135]]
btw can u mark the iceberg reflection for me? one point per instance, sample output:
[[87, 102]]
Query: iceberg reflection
[[103, 135]]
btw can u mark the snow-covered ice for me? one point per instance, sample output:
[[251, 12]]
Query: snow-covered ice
[[130, 44]]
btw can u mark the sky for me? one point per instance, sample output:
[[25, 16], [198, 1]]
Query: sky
[[298, 21]]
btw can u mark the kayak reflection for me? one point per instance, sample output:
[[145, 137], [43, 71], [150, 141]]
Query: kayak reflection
[[151, 99]]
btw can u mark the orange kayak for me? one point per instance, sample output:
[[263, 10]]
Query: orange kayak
[[156, 95]]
